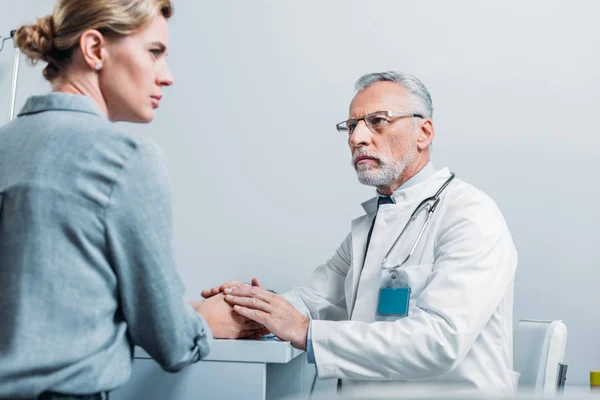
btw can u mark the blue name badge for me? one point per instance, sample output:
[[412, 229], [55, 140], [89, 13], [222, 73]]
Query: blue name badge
[[394, 301]]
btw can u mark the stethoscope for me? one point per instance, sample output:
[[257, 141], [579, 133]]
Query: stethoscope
[[430, 202]]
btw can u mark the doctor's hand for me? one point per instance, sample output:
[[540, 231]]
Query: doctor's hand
[[225, 323], [219, 289], [272, 311]]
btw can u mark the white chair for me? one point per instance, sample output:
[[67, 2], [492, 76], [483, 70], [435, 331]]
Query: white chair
[[539, 355]]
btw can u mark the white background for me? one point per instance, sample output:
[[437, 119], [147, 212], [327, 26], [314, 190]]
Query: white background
[[262, 182]]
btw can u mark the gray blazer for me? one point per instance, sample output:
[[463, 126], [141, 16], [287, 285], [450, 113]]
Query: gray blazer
[[86, 260]]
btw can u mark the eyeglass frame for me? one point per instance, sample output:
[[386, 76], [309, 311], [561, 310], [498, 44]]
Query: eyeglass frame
[[388, 114]]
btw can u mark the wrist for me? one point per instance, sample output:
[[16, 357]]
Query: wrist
[[195, 304], [202, 311], [302, 336]]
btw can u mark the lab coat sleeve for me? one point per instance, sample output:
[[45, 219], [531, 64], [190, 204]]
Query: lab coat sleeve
[[323, 297], [475, 264], [310, 354]]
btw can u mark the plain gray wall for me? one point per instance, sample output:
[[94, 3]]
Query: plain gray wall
[[262, 181]]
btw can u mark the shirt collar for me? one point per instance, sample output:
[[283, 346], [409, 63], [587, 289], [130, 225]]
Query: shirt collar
[[427, 171], [60, 101]]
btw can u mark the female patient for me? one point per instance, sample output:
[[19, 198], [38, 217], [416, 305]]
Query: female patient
[[86, 264]]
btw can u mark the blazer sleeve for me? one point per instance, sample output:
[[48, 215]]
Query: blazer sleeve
[[139, 235]]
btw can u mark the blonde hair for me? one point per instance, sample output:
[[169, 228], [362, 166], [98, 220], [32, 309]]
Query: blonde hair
[[52, 38]]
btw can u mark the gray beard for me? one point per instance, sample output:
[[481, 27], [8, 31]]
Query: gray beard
[[387, 172], [382, 176]]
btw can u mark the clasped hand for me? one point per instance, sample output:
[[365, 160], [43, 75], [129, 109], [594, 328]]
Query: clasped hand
[[224, 322], [266, 308]]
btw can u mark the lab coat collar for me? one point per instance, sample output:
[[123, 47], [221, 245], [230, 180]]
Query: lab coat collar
[[405, 192], [60, 101], [425, 172]]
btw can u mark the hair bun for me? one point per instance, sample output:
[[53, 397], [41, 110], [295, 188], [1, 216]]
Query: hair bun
[[36, 41]]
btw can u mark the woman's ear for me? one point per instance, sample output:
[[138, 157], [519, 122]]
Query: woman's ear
[[92, 45]]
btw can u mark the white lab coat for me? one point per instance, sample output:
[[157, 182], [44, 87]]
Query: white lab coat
[[459, 328]]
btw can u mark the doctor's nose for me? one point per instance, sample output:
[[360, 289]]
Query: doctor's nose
[[361, 136]]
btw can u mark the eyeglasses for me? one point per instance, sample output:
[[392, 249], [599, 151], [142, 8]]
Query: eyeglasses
[[378, 121]]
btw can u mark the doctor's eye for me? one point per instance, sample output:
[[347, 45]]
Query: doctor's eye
[[377, 121], [351, 126]]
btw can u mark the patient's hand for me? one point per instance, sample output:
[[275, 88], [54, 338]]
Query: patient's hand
[[219, 289], [225, 323]]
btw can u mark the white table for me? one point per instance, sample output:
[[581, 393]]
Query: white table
[[235, 369]]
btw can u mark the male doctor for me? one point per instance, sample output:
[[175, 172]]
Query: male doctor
[[426, 300]]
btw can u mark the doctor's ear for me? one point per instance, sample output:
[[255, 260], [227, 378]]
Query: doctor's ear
[[426, 133]]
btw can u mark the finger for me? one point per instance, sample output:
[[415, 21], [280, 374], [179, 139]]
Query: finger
[[256, 282], [210, 292], [249, 302], [218, 289], [250, 335], [251, 291], [248, 324], [252, 326], [264, 331], [229, 285], [257, 315]]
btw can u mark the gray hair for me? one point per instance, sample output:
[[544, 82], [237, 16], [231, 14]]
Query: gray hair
[[419, 96]]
